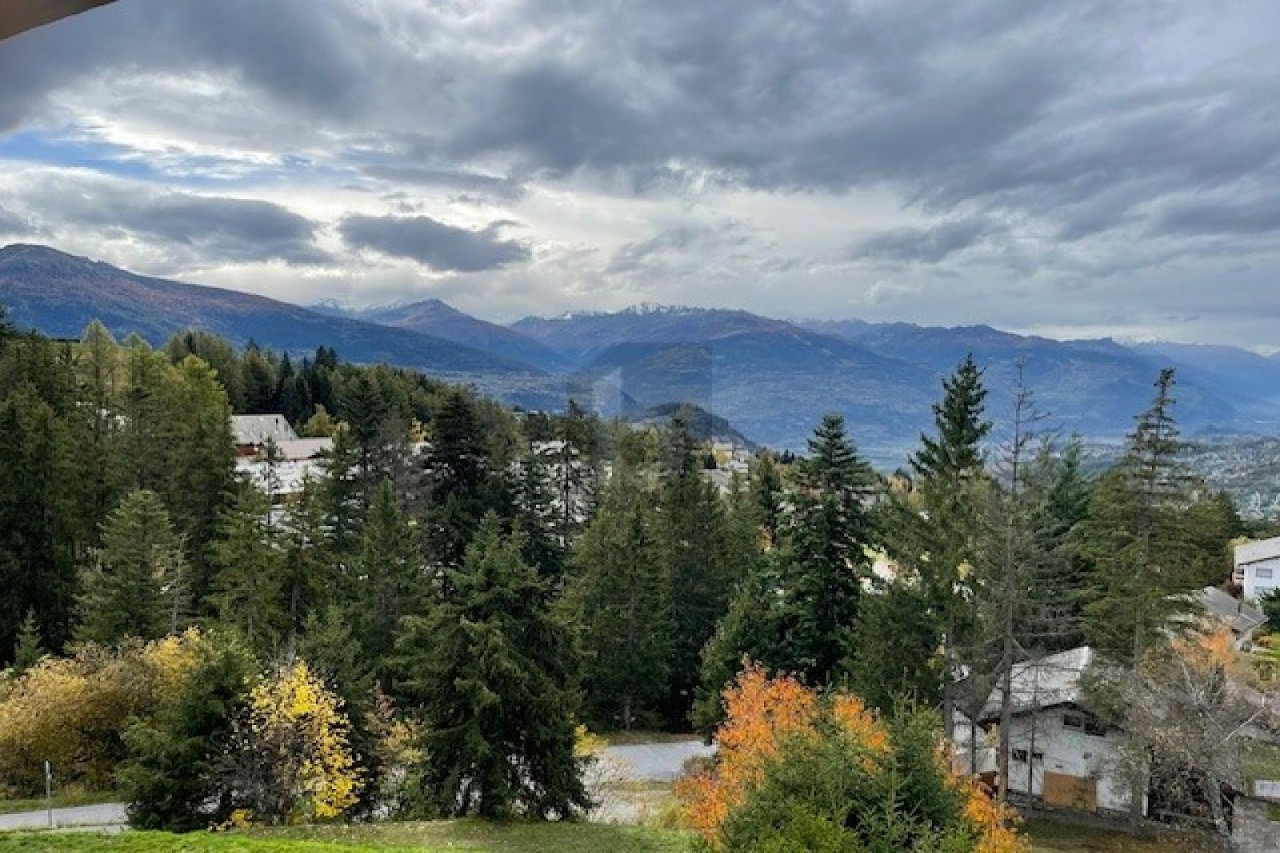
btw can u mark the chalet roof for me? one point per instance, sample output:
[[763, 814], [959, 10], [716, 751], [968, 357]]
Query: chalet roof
[[256, 429], [1044, 683], [305, 448], [1240, 617], [1253, 552]]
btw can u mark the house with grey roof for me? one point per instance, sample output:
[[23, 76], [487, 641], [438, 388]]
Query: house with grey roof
[[1237, 615], [1257, 567], [1061, 754]]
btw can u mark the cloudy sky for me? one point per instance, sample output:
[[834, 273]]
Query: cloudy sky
[[1073, 168]]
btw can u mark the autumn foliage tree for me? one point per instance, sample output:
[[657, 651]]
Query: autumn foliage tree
[[290, 755], [796, 770]]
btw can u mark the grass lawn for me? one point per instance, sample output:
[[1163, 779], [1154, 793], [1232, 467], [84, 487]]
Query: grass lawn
[[1051, 836], [384, 838], [60, 801]]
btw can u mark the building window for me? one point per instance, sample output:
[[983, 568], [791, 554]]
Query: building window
[[1085, 723], [1264, 573], [1020, 755]]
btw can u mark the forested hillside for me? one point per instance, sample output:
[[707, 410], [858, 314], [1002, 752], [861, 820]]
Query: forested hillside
[[466, 584]]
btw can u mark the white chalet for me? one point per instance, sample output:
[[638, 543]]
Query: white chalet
[[1258, 567], [1060, 753]]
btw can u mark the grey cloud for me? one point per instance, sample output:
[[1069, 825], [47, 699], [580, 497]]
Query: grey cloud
[[435, 244], [448, 178], [692, 244], [11, 223], [925, 245], [1247, 216], [1088, 125], [229, 230]]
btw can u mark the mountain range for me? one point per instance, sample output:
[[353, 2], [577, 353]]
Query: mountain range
[[771, 379]]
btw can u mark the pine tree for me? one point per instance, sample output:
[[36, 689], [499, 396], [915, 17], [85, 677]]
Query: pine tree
[[390, 584], [459, 484], [767, 492], [198, 482], [100, 377], [487, 671], [311, 566], [700, 580], [28, 649], [1137, 538], [936, 536], [896, 657], [346, 501], [536, 518], [139, 586], [753, 630], [169, 779], [619, 597], [797, 609], [249, 570], [37, 526], [825, 558]]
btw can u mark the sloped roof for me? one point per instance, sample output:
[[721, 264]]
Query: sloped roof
[[1252, 552], [1237, 615], [256, 429], [1044, 683]]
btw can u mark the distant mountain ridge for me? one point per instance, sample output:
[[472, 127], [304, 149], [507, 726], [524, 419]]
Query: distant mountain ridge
[[59, 294], [771, 379], [437, 318]]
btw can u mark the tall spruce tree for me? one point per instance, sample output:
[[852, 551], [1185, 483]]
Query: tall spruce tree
[[389, 583], [139, 586], [797, 609], [618, 597], [487, 672], [700, 580], [936, 536], [248, 558], [37, 544], [826, 561], [1136, 536]]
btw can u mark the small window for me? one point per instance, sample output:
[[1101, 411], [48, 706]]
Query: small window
[[1020, 755], [1264, 572], [1072, 721], [1093, 728]]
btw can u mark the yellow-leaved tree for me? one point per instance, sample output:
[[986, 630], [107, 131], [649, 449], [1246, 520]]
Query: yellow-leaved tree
[[73, 711], [290, 758]]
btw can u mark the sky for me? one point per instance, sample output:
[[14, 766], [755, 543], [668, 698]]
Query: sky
[[1074, 168]]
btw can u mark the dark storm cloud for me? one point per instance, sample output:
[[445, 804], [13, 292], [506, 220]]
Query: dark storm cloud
[[215, 228], [1036, 106], [1085, 125], [434, 244], [925, 245]]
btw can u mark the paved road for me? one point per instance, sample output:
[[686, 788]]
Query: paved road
[[658, 761], [106, 814]]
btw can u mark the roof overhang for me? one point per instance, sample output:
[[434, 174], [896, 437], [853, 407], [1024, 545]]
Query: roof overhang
[[18, 16]]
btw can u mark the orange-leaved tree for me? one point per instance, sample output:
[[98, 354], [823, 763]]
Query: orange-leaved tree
[[795, 768]]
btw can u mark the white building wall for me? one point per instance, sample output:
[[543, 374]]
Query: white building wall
[[1261, 577], [1064, 750]]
